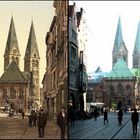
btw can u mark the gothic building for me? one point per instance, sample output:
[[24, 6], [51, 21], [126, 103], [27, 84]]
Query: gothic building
[[20, 90], [122, 83]]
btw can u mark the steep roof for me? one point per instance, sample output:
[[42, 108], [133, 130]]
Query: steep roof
[[96, 77], [12, 74], [120, 70], [137, 41], [119, 43], [12, 39], [32, 43], [98, 69]]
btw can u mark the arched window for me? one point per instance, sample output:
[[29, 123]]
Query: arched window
[[34, 55], [128, 90], [120, 89], [21, 94], [4, 95], [12, 93], [112, 90]]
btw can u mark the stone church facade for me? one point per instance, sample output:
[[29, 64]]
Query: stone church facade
[[20, 90]]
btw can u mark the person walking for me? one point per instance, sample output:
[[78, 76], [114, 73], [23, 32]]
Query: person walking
[[41, 123], [30, 119], [23, 114], [135, 120], [105, 116], [95, 114], [62, 122], [72, 115], [34, 118], [45, 113], [120, 116]]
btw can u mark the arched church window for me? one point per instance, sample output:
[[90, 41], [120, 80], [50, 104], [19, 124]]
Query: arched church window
[[34, 55], [120, 89], [128, 90], [112, 90], [12, 93]]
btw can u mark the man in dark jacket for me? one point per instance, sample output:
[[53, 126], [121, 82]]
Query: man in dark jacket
[[135, 120], [41, 123], [120, 116], [62, 122]]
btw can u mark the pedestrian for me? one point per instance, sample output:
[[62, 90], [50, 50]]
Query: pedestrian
[[45, 113], [34, 118], [120, 116], [95, 114], [30, 119], [62, 122], [41, 123], [23, 114], [135, 120], [105, 116], [72, 115]]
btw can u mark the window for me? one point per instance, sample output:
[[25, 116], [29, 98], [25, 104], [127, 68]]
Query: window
[[21, 95], [120, 89], [12, 93], [112, 90], [128, 90], [74, 35], [73, 52]]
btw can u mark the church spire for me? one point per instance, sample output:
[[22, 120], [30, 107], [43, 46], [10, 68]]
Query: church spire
[[12, 38], [32, 44], [136, 51], [119, 49], [12, 49], [137, 41], [118, 38]]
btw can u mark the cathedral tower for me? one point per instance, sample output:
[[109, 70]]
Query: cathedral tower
[[136, 51], [12, 49], [119, 49], [31, 63]]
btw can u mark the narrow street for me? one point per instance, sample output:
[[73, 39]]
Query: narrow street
[[17, 128], [91, 129]]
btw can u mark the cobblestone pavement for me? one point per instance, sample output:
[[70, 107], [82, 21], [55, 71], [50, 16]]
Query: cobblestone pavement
[[17, 128], [91, 129]]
